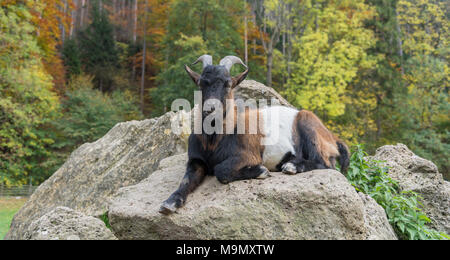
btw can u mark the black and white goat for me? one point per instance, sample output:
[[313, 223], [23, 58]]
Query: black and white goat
[[302, 142]]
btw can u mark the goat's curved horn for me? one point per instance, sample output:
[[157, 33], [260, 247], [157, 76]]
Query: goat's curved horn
[[206, 59], [229, 61]]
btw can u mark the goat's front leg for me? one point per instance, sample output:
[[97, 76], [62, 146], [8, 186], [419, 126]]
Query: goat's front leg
[[195, 174], [234, 169]]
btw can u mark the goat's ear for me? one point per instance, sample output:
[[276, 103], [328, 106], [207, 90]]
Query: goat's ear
[[194, 75], [239, 78]]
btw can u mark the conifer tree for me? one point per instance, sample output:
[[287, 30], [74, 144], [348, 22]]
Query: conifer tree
[[72, 59], [98, 48]]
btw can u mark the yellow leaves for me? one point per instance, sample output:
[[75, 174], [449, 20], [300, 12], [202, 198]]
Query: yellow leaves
[[424, 25], [190, 42], [27, 101], [330, 57]]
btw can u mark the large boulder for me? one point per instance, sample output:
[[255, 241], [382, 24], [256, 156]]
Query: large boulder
[[313, 205], [66, 224], [422, 176], [250, 89], [127, 154]]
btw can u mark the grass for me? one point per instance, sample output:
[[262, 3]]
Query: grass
[[8, 207]]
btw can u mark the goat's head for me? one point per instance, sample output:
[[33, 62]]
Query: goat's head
[[215, 81]]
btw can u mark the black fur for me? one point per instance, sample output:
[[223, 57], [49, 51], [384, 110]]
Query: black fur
[[228, 157], [288, 157], [195, 174], [219, 155], [215, 83], [344, 157], [307, 156], [307, 149]]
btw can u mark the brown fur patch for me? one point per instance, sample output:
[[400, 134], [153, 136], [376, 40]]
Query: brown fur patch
[[251, 149], [250, 142], [324, 140]]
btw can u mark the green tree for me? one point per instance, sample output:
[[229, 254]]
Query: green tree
[[207, 19], [72, 59], [424, 29], [99, 53], [331, 52], [89, 113], [195, 28], [27, 103], [173, 81]]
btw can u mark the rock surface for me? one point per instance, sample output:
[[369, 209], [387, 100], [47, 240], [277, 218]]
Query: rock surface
[[375, 220], [66, 224], [117, 173], [312, 205], [422, 176], [127, 154], [250, 89]]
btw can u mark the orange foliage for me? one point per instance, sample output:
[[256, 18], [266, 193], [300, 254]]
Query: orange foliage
[[156, 28], [52, 20]]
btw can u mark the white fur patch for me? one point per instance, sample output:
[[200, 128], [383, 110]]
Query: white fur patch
[[277, 128]]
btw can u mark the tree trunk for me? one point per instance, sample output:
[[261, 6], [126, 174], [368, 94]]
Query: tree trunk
[[63, 27], [245, 32], [73, 18], [114, 3], [378, 119], [144, 53], [254, 24], [284, 58], [135, 15], [399, 42], [289, 53], [269, 68], [82, 11]]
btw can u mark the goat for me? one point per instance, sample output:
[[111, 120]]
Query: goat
[[303, 142]]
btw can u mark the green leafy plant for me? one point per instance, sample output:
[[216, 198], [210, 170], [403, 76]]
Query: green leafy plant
[[89, 113], [27, 101], [105, 219], [402, 207]]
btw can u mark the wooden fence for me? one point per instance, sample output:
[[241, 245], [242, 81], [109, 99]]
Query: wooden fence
[[22, 191]]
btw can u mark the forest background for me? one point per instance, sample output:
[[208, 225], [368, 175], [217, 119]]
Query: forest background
[[375, 71]]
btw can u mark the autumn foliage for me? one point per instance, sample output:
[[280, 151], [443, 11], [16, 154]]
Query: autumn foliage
[[375, 71]]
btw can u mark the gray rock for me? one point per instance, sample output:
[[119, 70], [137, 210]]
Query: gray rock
[[127, 154], [375, 219], [250, 89], [173, 161], [66, 224], [422, 176], [313, 205]]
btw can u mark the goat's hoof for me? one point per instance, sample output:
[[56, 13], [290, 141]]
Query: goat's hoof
[[289, 168], [265, 173], [301, 168], [168, 208]]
